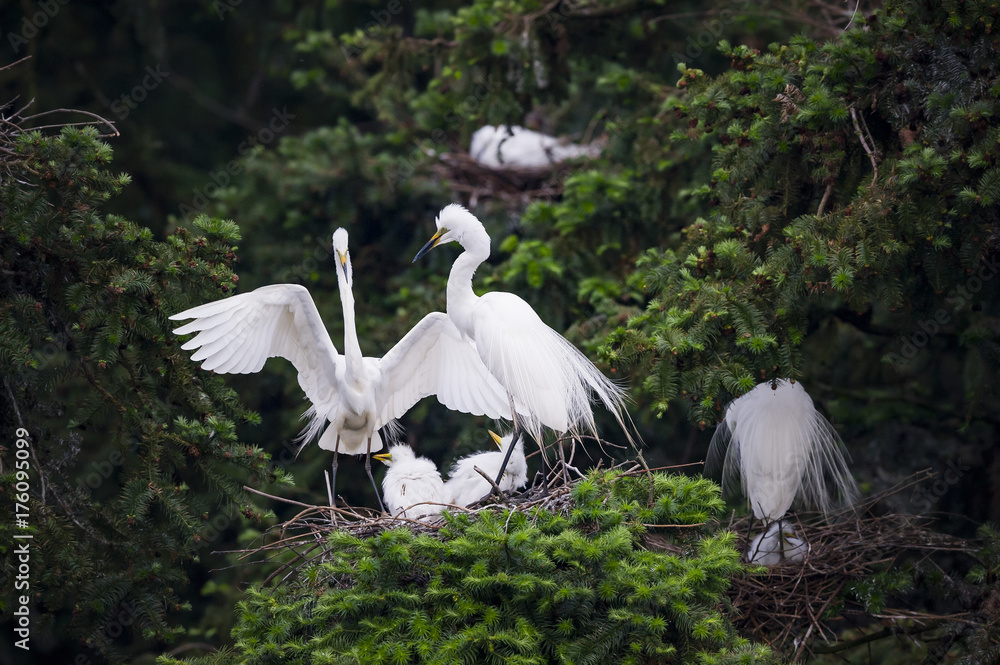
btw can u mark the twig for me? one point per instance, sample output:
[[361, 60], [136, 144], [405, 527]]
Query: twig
[[864, 144], [495, 487]]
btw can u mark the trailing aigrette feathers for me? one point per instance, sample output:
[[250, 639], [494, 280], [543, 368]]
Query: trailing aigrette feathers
[[778, 449]]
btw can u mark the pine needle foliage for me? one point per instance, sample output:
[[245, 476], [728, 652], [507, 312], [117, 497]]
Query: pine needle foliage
[[858, 175], [133, 448], [522, 586]]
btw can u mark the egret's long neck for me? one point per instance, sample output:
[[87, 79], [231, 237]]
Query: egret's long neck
[[461, 297], [352, 349]]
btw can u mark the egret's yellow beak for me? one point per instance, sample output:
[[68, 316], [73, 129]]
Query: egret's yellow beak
[[496, 439], [431, 244], [342, 257], [385, 458]]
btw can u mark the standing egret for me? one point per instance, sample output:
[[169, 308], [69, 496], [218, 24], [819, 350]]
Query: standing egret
[[549, 381], [466, 485], [507, 147], [412, 485], [778, 449], [356, 395]]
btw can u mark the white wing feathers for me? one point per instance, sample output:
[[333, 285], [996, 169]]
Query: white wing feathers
[[236, 335], [434, 359]]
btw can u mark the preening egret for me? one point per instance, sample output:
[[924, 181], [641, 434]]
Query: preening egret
[[412, 485], [516, 147], [357, 395], [466, 486], [778, 449], [778, 543], [550, 382]]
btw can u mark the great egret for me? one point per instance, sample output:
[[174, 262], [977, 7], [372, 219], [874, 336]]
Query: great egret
[[412, 485], [516, 147], [466, 486], [356, 395], [778, 449], [550, 382], [776, 544]]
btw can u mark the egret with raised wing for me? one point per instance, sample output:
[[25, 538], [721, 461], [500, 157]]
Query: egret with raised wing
[[356, 395]]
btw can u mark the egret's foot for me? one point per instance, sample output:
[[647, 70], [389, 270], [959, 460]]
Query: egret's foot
[[368, 470]]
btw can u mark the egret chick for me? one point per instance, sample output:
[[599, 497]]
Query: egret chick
[[412, 486], [775, 545], [516, 147], [549, 381], [356, 395], [778, 449], [466, 486]]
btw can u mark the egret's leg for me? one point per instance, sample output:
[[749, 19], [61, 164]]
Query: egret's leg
[[513, 440], [333, 472], [368, 469]]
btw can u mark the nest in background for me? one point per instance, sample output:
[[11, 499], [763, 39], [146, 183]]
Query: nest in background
[[464, 174], [787, 606], [795, 601]]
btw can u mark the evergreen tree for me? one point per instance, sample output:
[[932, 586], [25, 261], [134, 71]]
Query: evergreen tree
[[854, 180], [133, 451], [530, 586]]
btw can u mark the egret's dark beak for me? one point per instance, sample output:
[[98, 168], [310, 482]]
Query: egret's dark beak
[[496, 439], [385, 458], [431, 244]]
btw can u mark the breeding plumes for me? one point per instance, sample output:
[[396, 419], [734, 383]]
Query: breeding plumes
[[516, 147], [412, 486], [550, 382], [356, 395], [775, 447], [466, 486]]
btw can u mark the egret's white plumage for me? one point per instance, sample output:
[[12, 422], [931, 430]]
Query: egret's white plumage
[[775, 446], [550, 381], [466, 486], [357, 395], [517, 147], [776, 544], [412, 486]]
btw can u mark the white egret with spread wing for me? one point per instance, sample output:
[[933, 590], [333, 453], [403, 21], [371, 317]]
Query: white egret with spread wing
[[466, 485], [505, 147], [549, 381], [356, 395]]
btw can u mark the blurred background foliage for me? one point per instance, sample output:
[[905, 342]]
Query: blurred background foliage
[[295, 118]]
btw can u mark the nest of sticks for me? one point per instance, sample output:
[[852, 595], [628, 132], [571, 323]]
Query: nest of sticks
[[510, 185], [795, 604], [790, 606]]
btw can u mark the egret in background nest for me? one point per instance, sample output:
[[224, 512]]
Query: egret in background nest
[[466, 486], [778, 449], [412, 486], [516, 147], [548, 380], [357, 395]]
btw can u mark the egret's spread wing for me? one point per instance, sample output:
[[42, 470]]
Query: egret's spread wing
[[433, 359], [236, 335]]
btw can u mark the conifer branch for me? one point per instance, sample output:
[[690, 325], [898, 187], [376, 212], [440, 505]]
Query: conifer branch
[[864, 144]]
